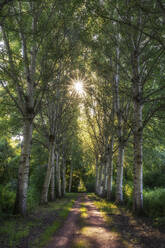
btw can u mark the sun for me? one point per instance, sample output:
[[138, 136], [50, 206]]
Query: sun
[[79, 87]]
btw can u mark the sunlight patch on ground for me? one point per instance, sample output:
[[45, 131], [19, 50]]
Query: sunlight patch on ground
[[81, 243], [83, 211], [98, 233]]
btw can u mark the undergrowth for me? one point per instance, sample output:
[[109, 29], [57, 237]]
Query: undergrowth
[[33, 229]]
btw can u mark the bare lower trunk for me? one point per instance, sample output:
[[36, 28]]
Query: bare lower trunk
[[23, 173], [138, 134], [105, 176], [138, 160], [97, 176], [52, 185], [100, 187], [119, 179], [70, 178], [58, 175], [63, 177], [44, 196], [110, 170]]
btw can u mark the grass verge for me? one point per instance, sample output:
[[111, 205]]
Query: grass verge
[[37, 229]]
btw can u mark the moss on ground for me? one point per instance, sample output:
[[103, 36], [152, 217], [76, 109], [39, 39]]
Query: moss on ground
[[38, 228]]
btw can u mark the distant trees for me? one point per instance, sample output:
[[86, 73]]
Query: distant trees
[[125, 45]]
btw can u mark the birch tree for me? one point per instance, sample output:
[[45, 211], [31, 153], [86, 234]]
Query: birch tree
[[23, 75]]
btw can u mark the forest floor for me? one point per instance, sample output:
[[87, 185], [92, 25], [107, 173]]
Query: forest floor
[[35, 230], [94, 223], [80, 221]]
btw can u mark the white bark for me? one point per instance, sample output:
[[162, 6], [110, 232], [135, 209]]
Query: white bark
[[58, 175], [52, 185], [97, 176], [105, 175], [100, 187], [119, 179], [63, 176], [70, 178], [110, 169], [44, 196], [138, 135], [23, 174]]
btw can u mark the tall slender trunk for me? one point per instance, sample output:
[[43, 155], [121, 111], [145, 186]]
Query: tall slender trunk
[[138, 136], [44, 196], [110, 170], [138, 172], [70, 178], [97, 176], [119, 179], [58, 175], [63, 176], [52, 185], [100, 180], [105, 175], [23, 173]]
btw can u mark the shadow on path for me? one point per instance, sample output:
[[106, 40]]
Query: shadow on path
[[122, 230]]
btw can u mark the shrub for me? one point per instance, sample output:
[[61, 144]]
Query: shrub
[[154, 202], [7, 198], [128, 194]]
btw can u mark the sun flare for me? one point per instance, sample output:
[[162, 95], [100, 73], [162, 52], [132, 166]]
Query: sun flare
[[78, 86]]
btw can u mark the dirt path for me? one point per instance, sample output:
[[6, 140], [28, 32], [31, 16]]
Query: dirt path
[[95, 232], [65, 235], [85, 227], [91, 232]]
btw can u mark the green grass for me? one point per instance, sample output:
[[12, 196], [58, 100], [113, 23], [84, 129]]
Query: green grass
[[47, 235], [14, 230], [104, 206], [108, 210], [81, 244], [63, 206]]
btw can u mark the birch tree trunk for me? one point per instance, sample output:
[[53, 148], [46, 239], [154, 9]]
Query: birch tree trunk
[[119, 179], [58, 175], [23, 172], [44, 196], [105, 174], [52, 185], [100, 180], [138, 135], [97, 176], [70, 178], [110, 170], [63, 177]]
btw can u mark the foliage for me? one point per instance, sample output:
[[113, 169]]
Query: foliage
[[7, 196], [154, 202]]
